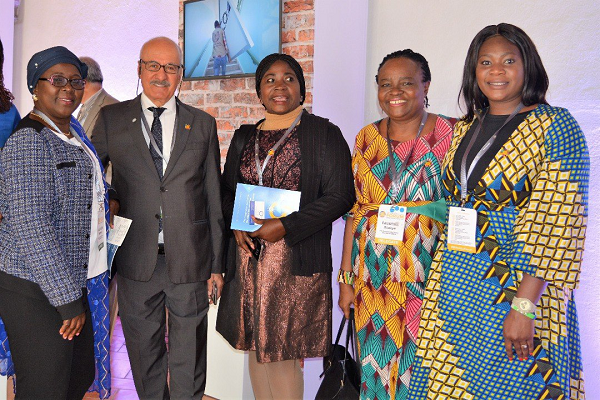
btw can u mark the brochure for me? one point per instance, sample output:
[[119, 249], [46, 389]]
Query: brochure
[[261, 202], [116, 236]]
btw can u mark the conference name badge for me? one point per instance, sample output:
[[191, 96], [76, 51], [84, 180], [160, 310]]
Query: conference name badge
[[462, 225], [390, 224]]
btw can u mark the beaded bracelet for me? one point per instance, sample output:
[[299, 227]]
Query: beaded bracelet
[[346, 277]]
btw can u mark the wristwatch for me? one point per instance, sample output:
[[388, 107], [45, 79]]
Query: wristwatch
[[524, 306]]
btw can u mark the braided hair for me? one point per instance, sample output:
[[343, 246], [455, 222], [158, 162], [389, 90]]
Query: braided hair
[[411, 55]]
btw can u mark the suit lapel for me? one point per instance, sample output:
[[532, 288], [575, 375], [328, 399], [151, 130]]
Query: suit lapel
[[180, 135], [95, 110], [134, 130]]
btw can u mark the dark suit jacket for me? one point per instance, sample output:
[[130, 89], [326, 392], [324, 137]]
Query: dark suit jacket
[[103, 99], [188, 194], [327, 192]]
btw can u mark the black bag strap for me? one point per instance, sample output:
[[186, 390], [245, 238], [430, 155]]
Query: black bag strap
[[349, 340], [340, 330], [350, 332]]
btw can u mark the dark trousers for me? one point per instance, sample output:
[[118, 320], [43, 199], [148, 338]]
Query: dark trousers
[[143, 317], [46, 365]]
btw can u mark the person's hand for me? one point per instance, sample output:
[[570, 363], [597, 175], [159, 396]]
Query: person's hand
[[113, 208], [518, 333], [271, 230], [346, 298], [243, 240], [72, 327], [218, 279]]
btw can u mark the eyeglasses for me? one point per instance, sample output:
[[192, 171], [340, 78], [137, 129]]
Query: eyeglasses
[[153, 66], [61, 81]]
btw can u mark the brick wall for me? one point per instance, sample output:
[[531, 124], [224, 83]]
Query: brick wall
[[233, 101]]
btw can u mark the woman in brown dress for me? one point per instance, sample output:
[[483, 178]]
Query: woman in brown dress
[[279, 307]]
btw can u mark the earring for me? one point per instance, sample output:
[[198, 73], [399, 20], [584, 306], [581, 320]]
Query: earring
[[426, 102], [34, 97]]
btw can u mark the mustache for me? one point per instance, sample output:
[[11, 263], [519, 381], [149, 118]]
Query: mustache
[[158, 82]]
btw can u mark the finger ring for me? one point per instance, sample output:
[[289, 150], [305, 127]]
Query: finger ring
[[524, 345]]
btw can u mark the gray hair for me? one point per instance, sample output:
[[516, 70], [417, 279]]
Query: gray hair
[[94, 72]]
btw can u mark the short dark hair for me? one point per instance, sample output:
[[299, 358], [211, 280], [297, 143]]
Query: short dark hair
[[217, 24], [6, 96], [411, 55], [269, 60], [535, 83]]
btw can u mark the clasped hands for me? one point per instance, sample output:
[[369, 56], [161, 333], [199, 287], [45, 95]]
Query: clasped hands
[[271, 230]]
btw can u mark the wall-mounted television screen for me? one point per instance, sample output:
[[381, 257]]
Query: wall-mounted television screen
[[228, 38]]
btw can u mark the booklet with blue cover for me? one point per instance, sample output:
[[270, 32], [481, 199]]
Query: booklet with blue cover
[[261, 202]]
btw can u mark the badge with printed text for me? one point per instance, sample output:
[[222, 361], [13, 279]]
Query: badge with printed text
[[462, 225], [390, 224]]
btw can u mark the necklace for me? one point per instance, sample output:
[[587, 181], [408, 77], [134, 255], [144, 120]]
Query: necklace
[[48, 125]]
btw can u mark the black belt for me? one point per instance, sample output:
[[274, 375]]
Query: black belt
[[161, 248]]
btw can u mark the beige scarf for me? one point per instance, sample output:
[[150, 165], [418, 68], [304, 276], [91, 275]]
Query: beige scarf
[[274, 122]]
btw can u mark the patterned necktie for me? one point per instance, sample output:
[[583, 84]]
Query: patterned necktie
[[156, 130]]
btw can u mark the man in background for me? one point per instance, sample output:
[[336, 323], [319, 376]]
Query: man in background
[[94, 96], [220, 51]]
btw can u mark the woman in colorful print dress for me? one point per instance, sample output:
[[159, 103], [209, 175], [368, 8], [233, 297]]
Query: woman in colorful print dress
[[499, 318], [389, 279]]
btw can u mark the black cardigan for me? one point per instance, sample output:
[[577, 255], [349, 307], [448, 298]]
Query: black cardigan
[[327, 192]]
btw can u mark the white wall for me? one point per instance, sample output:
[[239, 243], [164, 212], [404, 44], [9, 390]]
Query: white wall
[[338, 94], [7, 34], [566, 34]]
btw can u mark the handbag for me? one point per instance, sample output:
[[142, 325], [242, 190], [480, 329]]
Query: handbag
[[341, 373]]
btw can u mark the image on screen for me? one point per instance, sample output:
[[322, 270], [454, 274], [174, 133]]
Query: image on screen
[[228, 38]]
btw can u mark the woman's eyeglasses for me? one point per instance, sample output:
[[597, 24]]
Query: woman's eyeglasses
[[154, 66], [61, 81]]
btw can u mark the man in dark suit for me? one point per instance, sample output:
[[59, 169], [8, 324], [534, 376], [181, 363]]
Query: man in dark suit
[[166, 170], [94, 96]]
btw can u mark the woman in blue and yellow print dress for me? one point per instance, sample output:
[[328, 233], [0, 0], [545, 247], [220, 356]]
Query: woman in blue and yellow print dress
[[389, 280], [501, 323]]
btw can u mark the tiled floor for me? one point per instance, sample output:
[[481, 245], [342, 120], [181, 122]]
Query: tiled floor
[[122, 380]]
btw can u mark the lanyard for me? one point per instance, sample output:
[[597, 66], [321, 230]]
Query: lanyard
[[148, 134], [464, 174], [98, 182], [397, 173], [260, 169]]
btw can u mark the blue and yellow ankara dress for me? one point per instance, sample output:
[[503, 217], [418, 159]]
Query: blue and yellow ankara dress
[[531, 207]]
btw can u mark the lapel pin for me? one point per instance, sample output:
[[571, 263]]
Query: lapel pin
[[133, 120], [187, 126]]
